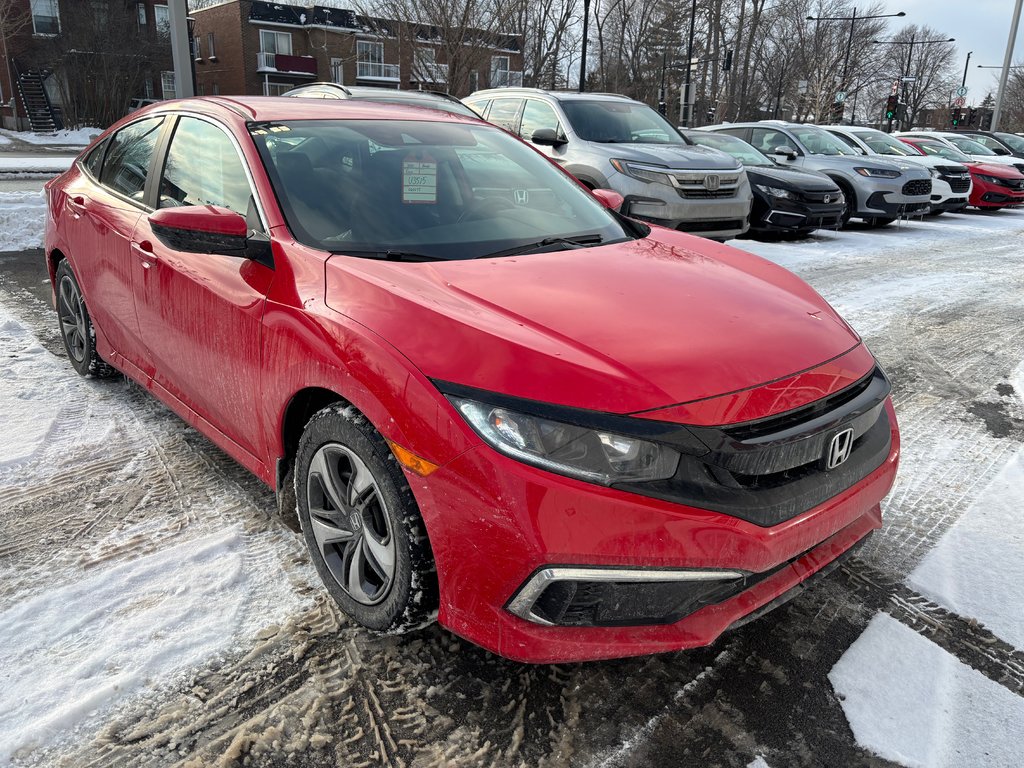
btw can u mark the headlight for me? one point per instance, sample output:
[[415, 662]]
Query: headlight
[[935, 174], [648, 173], [878, 173], [776, 191], [991, 179], [591, 455]]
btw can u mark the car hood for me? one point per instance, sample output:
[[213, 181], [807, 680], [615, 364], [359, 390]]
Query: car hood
[[808, 181], [621, 328], [681, 156], [1001, 171], [874, 161]]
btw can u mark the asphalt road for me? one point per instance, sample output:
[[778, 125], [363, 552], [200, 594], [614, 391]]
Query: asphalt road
[[947, 323]]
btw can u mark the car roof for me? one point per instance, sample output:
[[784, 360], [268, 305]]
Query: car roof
[[262, 108], [557, 95]]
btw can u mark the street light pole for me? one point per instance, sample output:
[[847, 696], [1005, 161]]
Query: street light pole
[[964, 83], [853, 19], [583, 54], [687, 107], [998, 108]]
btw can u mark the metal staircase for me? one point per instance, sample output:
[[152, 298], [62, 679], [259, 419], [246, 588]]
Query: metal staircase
[[40, 112]]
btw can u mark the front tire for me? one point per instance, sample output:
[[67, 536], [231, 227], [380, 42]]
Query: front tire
[[361, 524], [76, 329]]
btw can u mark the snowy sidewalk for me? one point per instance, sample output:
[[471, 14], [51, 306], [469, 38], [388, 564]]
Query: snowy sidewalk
[[43, 165]]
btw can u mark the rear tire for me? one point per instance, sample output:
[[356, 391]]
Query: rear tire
[[361, 524], [76, 329]]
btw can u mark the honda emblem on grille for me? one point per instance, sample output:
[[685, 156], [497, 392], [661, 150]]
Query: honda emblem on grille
[[839, 449], [827, 199], [712, 182], [522, 196]]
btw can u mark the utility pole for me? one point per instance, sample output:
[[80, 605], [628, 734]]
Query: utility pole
[[583, 54], [182, 56], [687, 108], [963, 83], [1007, 59]]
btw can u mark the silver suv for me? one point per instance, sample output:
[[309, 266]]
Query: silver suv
[[612, 142], [877, 189]]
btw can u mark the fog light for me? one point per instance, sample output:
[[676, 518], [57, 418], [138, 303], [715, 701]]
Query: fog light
[[606, 597]]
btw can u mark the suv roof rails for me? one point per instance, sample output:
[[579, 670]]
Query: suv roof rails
[[606, 93], [441, 94], [322, 84]]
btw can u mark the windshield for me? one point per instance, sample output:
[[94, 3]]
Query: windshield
[[420, 190], [738, 148], [969, 146], [936, 149], [1016, 143], [884, 144], [820, 142], [619, 122]]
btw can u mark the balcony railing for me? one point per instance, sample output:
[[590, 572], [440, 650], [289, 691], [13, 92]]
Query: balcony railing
[[373, 70], [503, 78], [280, 62], [430, 73]]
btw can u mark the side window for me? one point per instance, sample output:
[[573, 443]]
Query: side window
[[766, 140], [849, 142], [505, 112], [537, 115], [203, 168], [479, 106], [127, 162], [94, 160]]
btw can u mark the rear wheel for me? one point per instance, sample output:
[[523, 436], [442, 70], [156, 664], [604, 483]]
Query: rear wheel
[[76, 329], [361, 524]]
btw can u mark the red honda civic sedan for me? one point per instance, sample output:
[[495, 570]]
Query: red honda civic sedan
[[489, 397], [992, 186]]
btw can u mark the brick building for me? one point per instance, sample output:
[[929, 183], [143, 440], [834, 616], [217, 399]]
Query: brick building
[[255, 47], [52, 71]]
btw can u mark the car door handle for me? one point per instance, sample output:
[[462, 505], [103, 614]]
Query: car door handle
[[76, 205], [144, 250]]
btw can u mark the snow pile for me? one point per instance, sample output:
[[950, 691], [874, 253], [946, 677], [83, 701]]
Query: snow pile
[[25, 401], [910, 701], [22, 220], [68, 651], [77, 138]]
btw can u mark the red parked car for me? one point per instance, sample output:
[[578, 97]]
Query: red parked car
[[992, 186], [569, 435]]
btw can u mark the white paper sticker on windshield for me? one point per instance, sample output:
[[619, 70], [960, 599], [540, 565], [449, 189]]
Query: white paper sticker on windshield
[[419, 182]]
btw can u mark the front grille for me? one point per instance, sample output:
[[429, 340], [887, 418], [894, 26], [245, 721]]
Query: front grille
[[771, 470], [706, 194], [958, 184], [705, 185], [834, 198], [918, 187]]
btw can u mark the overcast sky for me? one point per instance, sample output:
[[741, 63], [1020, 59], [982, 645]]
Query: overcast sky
[[981, 26]]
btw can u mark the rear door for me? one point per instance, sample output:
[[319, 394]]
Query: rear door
[[201, 313], [103, 206]]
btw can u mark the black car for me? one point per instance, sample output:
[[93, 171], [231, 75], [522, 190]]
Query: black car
[[430, 99], [1001, 143], [786, 200]]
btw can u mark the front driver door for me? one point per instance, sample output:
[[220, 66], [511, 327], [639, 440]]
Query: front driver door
[[201, 313]]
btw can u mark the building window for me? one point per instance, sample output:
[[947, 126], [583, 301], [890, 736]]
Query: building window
[[167, 85], [142, 14], [276, 89], [276, 42], [197, 48], [147, 88], [337, 71], [45, 17], [162, 17], [216, 89], [369, 53], [210, 49]]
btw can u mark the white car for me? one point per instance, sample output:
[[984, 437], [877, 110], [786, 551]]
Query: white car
[[973, 149], [951, 182]]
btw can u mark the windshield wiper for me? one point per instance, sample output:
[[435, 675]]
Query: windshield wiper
[[387, 255], [570, 243]]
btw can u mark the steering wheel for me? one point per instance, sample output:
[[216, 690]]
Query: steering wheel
[[484, 205]]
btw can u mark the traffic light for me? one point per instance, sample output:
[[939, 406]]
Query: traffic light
[[728, 61], [972, 115], [890, 107], [954, 117], [837, 112]]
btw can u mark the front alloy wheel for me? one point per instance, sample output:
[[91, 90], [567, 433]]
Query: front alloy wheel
[[361, 523]]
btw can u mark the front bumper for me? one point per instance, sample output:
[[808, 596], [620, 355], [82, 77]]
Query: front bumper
[[888, 198], [988, 195], [780, 215], [497, 522]]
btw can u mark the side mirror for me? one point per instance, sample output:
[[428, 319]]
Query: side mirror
[[787, 152], [1000, 151], [547, 137], [609, 198], [201, 229]]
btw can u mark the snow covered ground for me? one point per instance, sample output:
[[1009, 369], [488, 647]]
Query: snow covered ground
[[37, 165], [77, 138], [22, 219], [153, 612]]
